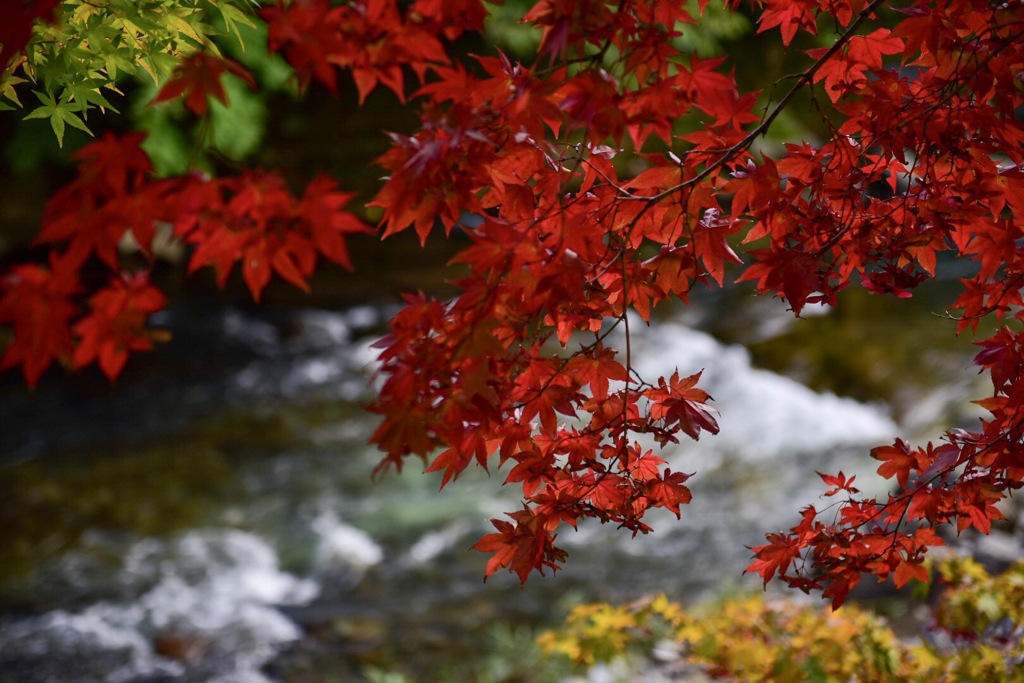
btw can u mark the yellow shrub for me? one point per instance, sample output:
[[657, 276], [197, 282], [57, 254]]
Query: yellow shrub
[[980, 636]]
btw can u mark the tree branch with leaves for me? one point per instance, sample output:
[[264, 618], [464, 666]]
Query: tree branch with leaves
[[607, 174]]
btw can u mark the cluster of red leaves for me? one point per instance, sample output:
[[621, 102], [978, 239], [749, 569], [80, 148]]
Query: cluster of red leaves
[[579, 229], [925, 157], [252, 218], [556, 257], [928, 159], [88, 217], [555, 254], [372, 39]]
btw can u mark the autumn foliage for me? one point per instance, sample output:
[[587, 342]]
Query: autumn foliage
[[972, 637], [610, 173]]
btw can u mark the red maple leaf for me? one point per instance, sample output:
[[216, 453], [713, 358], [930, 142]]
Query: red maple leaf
[[321, 207], [522, 547], [306, 31], [838, 482], [681, 405], [792, 274], [790, 16], [454, 17], [906, 570], [774, 556], [37, 302], [897, 460], [117, 323], [198, 78], [711, 244], [668, 491], [113, 164]]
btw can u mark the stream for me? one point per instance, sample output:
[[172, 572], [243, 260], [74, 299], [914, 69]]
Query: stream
[[211, 516]]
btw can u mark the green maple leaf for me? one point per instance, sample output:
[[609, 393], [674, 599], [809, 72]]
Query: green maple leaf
[[59, 113]]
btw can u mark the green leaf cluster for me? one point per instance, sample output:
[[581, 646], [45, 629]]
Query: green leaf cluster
[[74, 64]]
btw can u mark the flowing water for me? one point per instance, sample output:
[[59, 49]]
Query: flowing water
[[211, 517]]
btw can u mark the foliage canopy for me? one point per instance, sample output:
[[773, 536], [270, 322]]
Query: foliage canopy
[[613, 169]]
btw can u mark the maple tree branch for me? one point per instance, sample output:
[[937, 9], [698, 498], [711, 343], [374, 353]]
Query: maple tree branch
[[599, 57], [803, 79], [629, 359], [565, 361], [606, 179], [906, 497]]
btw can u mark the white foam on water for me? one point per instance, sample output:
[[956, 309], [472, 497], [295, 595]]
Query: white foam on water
[[363, 316], [214, 589], [433, 543], [250, 331], [322, 329], [312, 372], [313, 355], [343, 547], [763, 415]]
